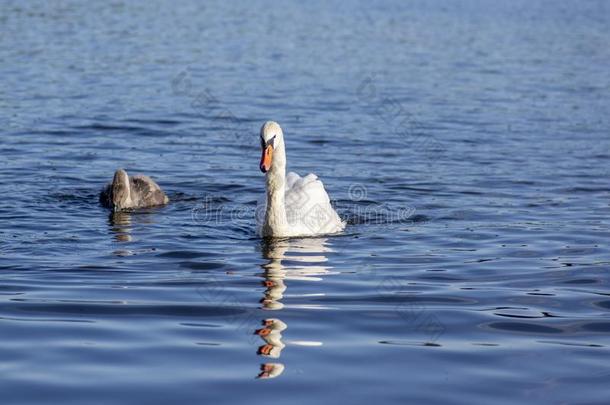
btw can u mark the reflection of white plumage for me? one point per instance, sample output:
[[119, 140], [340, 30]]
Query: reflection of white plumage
[[272, 335], [271, 370], [308, 259], [293, 205]]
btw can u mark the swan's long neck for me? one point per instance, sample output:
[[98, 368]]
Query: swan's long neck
[[276, 222]]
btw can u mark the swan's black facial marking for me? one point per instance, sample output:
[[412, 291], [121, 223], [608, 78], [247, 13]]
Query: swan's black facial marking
[[270, 142]]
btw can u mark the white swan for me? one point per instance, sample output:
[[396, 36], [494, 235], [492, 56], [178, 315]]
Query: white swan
[[293, 205]]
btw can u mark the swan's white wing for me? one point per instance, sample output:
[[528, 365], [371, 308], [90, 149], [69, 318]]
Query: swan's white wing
[[292, 178], [308, 207]]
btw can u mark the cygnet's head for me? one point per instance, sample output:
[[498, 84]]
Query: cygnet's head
[[271, 138], [120, 190]]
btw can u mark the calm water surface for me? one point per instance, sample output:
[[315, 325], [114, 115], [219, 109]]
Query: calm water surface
[[466, 143]]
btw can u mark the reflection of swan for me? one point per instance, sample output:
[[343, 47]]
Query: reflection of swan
[[137, 191], [274, 281], [306, 257], [271, 370], [272, 335], [120, 224], [293, 205], [306, 264]]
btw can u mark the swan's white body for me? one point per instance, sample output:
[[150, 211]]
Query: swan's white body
[[293, 205]]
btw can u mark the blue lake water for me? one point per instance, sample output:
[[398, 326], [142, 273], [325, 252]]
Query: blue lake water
[[467, 144]]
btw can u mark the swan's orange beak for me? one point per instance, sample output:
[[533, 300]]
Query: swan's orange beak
[[266, 158]]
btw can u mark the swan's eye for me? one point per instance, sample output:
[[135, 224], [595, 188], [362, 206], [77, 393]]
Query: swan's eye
[[269, 142]]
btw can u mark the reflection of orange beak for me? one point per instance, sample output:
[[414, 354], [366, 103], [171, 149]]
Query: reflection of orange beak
[[266, 159], [263, 332], [265, 350]]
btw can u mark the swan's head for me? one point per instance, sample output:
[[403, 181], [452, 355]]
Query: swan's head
[[120, 190], [271, 137]]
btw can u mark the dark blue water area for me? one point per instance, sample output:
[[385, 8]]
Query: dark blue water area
[[466, 143]]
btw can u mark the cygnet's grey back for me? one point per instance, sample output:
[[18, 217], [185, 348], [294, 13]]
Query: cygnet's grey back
[[145, 192]]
